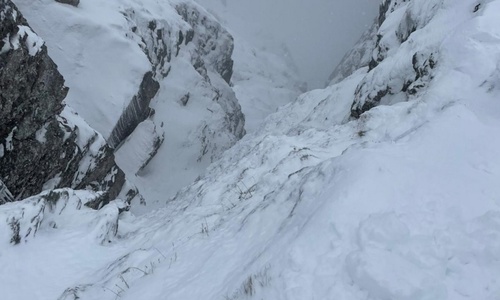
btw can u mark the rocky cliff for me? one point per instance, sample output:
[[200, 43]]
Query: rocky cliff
[[391, 79], [43, 144], [152, 77]]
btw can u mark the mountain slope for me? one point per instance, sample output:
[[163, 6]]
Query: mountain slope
[[332, 198]]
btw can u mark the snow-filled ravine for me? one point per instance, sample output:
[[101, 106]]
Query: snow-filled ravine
[[384, 185]]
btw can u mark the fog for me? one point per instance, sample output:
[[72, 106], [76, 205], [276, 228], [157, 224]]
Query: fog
[[317, 32]]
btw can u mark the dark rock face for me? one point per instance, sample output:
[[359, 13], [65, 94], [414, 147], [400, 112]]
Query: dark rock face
[[40, 145], [70, 2], [31, 89], [137, 111]]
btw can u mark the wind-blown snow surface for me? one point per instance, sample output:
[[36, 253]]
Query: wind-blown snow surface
[[402, 203]]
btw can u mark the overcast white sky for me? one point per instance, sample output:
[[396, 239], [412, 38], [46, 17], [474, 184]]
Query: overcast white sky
[[317, 32]]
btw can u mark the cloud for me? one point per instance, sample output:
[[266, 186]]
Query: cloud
[[317, 32]]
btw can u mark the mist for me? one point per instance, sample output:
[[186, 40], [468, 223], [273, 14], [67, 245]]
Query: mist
[[317, 33]]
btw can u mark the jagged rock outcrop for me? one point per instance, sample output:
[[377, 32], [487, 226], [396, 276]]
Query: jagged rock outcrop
[[44, 145], [50, 210], [395, 78], [214, 43], [70, 2]]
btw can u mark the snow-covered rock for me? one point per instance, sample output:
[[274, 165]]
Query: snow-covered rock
[[164, 63], [394, 75]]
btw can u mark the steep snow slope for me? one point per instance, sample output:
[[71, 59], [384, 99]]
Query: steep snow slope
[[399, 203]]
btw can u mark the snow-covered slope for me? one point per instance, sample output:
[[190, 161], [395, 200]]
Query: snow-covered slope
[[397, 201]]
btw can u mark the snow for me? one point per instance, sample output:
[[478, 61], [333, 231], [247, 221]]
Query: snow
[[402, 203], [52, 183], [32, 41], [76, 38], [180, 160]]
